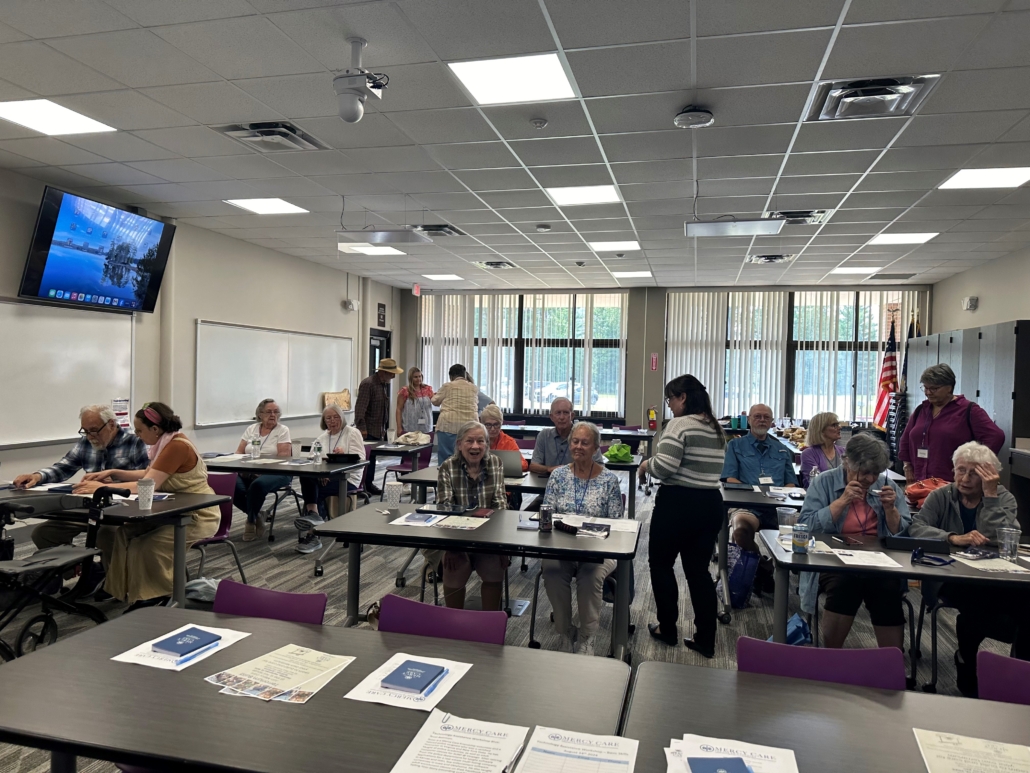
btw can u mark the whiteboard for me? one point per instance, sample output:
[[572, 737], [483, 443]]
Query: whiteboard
[[55, 361], [239, 366]]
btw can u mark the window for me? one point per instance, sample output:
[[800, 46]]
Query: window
[[526, 350]]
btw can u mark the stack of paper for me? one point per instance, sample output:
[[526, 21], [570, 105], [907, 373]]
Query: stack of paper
[[950, 753], [291, 674], [553, 750], [371, 689], [144, 654], [696, 754], [447, 743]]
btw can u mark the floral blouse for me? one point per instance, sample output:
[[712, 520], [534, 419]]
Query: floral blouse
[[598, 497]]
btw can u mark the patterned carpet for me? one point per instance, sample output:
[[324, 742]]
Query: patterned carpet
[[277, 565]]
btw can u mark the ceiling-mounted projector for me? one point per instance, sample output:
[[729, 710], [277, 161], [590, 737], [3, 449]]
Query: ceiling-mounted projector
[[381, 235], [749, 227], [356, 83]]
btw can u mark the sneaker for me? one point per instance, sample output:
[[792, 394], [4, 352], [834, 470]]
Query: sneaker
[[309, 521], [264, 516], [249, 532], [565, 643], [585, 646], [259, 528], [309, 544]]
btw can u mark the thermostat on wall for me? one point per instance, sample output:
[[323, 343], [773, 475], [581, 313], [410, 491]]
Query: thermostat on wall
[[970, 302]]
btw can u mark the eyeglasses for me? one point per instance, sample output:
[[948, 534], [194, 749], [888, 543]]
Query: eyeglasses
[[491, 425], [91, 432], [920, 558], [272, 413], [929, 390]]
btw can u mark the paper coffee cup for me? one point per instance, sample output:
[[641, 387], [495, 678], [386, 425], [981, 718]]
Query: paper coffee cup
[[392, 493], [145, 489]]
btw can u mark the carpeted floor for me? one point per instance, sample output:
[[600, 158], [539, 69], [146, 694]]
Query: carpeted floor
[[277, 565]]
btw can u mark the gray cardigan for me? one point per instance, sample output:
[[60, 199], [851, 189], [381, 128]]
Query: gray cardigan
[[939, 517]]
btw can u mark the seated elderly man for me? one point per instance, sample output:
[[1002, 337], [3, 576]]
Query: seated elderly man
[[967, 513], [551, 448], [856, 498], [103, 445]]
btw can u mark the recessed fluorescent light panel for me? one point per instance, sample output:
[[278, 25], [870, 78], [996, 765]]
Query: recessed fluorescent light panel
[[368, 249], [854, 270], [49, 118], [757, 227], [516, 79], [1011, 177], [902, 238], [266, 206], [614, 246], [631, 274], [443, 277], [584, 194]]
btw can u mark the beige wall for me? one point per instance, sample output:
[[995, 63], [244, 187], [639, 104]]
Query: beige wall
[[1003, 287], [214, 277], [645, 333]]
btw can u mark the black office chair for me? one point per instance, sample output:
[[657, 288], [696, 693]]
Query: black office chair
[[281, 494]]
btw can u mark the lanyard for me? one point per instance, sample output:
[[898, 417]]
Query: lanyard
[[580, 497], [262, 446], [332, 447]]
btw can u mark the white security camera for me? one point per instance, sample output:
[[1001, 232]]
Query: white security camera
[[352, 105], [355, 85]]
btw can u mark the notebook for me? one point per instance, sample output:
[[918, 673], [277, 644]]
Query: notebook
[[186, 642]]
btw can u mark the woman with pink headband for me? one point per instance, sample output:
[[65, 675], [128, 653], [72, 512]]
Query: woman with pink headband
[[140, 557]]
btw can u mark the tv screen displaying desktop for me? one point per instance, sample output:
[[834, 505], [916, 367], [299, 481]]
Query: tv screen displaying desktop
[[95, 256]]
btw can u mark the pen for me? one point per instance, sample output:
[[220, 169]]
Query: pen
[[838, 539]]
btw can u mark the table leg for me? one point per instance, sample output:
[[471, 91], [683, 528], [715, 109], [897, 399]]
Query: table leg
[[620, 630], [724, 574], [782, 579], [353, 584], [62, 762], [632, 496], [420, 493], [179, 572], [414, 462], [400, 582]]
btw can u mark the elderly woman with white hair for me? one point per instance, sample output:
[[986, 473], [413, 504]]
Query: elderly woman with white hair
[[857, 499], [967, 513], [472, 478], [583, 487]]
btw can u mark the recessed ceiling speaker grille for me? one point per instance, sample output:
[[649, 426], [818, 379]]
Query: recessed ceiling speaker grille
[[802, 216], [494, 265], [270, 137], [870, 98]]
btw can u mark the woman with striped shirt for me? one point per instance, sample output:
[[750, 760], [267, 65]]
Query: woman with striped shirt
[[688, 512]]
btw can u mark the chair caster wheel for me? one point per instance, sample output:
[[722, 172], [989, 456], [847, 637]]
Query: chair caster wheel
[[271, 538], [724, 618], [930, 688], [632, 629], [319, 569], [534, 645], [400, 582], [507, 611], [910, 683]]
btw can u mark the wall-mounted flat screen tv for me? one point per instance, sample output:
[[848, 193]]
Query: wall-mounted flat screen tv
[[95, 256]]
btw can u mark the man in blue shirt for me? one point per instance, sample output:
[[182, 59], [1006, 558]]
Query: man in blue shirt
[[103, 445], [757, 459]]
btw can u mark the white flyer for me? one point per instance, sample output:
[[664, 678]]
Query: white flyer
[[551, 750], [992, 565], [866, 558], [403, 520], [674, 760], [144, 654], [761, 759], [370, 690], [447, 743], [950, 753]]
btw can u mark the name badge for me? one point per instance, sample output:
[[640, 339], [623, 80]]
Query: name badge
[[923, 453], [765, 480]]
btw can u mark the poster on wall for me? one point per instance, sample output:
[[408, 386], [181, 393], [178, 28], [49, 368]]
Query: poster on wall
[[381, 317]]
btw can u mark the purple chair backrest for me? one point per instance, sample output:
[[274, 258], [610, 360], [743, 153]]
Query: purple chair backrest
[[525, 442], [425, 456], [516, 423], [233, 598], [883, 668], [401, 615], [1003, 679], [223, 483]]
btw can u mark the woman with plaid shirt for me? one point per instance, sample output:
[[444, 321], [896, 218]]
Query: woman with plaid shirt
[[472, 478]]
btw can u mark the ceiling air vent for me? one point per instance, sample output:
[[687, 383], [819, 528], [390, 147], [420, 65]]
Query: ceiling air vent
[[440, 229], [495, 265], [870, 98], [767, 259], [891, 277], [802, 216], [271, 137]]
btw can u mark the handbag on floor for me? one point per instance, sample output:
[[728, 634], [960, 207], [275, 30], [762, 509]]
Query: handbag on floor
[[741, 566], [798, 632]]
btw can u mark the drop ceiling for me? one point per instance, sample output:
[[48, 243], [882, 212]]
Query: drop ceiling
[[163, 73]]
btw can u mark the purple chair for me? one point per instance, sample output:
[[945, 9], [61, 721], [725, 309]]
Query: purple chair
[[401, 615], [232, 598], [225, 484], [1003, 679], [525, 442], [882, 668], [511, 423]]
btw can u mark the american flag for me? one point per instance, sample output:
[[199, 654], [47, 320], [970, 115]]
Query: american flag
[[888, 381]]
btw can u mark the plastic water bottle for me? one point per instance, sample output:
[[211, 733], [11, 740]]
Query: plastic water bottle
[[316, 452], [255, 448]]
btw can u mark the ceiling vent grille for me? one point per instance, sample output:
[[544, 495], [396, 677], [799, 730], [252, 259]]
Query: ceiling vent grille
[[494, 265], [440, 229], [870, 98], [891, 277], [802, 216], [272, 137], [765, 260]]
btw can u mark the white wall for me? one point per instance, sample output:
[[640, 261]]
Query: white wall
[[210, 276], [1003, 287]]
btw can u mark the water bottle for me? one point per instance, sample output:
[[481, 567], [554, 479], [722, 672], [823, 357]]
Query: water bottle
[[316, 452], [255, 448]]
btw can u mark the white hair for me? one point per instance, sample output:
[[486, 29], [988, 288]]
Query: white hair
[[106, 412], [977, 453], [589, 426]]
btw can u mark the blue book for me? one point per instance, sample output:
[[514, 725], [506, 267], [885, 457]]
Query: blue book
[[186, 642], [717, 765], [412, 676]]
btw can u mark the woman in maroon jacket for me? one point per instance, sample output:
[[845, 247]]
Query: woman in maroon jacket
[[940, 425]]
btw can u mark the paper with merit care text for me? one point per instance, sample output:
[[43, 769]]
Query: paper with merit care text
[[551, 750], [447, 743], [759, 759], [950, 753]]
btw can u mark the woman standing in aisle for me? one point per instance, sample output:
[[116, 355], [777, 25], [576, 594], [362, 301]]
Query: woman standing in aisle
[[688, 512], [824, 451], [414, 409]]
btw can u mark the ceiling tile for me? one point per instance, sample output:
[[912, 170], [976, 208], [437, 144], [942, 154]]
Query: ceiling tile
[[903, 181], [1001, 44], [646, 112], [14, 161], [296, 96], [373, 131], [213, 103], [614, 23], [245, 47], [49, 150], [741, 140], [56, 18], [193, 141], [652, 171], [316, 162], [178, 170], [150, 13], [847, 135], [754, 105], [726, 17], [66, 179], [632, 69], [427, 127], [566, 150], [409, 158], [1004, 154], [927, 157], [501, 199], [824, 183], [355, 184], [976, 90], [739, 166], [448, 200], [959, 128], [894, 10], [651, 191], [456, 29], [46, 72], [422, 182], [846, 162], [115, 174], [119, 146], [496, 179], [861, 200], [567, 176], [245, 167], [472, 155], [564, 119], [748, 60], [285, 187]]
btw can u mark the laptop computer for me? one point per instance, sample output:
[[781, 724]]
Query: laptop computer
[[512, 461]]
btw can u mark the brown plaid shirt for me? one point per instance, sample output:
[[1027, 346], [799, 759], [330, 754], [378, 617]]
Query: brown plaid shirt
[[454, 487], [371, 410]]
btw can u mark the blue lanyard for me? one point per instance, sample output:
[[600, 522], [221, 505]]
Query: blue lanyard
[[579, 498]]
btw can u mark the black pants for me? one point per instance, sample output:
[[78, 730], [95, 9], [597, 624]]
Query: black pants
[[989, 612], [685, 522]]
